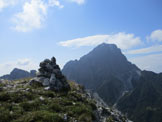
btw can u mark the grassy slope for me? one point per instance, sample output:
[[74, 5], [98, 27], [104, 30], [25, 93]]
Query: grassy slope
[[24, 103]]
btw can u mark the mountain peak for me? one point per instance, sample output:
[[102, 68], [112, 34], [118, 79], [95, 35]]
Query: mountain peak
[[17, 73], [106, 45], [107, 50], [16, 70], [105, 65]]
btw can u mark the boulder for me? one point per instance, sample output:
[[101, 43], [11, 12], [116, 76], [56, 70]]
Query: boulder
[[35, 81], [46, 82], [53, 79]]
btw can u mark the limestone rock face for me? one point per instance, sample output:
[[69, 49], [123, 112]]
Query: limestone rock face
[[50, 75]]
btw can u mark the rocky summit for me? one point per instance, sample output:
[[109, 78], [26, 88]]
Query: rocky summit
[[50, 76]]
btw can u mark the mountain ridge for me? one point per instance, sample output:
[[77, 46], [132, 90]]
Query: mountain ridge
[[17, 73]]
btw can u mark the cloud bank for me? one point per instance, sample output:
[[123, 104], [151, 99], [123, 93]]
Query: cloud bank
[[121, 39], [152, 49]]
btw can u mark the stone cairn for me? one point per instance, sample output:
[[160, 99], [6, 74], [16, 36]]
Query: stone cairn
[[50, 76]]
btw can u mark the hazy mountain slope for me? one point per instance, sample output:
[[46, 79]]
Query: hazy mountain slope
[[96, 69], [19, 74], [144, 102]]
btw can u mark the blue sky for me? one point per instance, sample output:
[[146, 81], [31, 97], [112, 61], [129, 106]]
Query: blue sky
[[31, 30]]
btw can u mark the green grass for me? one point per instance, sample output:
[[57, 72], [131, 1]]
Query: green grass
[[23, 104]]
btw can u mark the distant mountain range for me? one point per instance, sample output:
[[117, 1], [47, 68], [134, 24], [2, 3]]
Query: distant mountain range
[[19, 74], [119, 83]]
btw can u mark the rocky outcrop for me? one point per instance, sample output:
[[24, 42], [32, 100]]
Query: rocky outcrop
[[50, 76], [103, 112]]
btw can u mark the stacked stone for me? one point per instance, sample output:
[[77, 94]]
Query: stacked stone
[[50, 76]]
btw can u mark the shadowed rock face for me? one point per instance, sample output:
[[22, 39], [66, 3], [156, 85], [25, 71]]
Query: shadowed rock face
[[106, 70], [49, 75]]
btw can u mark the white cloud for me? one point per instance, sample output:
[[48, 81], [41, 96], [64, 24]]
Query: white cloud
[[2, 4], [55, 3], [31, 17], [78, 1], [155, 36], [122, 40], [6, 3], [34, 12], [26, 64], [152, 49], [149, 62]]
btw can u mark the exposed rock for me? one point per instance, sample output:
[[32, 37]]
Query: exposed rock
[[46, 82], [49, 75], [53, 79], [36, 80], [103, 112], [47, 88], [41, 98]]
